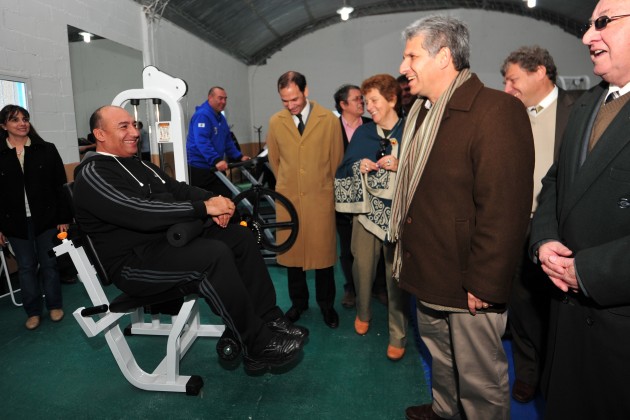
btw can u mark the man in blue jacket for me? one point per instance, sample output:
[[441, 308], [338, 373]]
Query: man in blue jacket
[[209, 141]]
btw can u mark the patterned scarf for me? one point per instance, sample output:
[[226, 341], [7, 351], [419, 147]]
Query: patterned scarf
[[414, 155]]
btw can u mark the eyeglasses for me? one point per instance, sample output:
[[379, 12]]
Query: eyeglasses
[[603, 21]]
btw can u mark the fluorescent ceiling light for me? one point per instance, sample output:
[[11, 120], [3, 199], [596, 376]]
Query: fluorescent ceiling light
[[87, 37], [345, 12]]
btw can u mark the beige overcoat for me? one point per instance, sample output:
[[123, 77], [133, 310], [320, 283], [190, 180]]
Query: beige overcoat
[[305, 167]]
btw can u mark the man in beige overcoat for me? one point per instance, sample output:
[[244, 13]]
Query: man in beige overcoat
[[305, 148]]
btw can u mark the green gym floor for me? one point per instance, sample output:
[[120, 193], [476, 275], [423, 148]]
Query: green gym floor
[[56, 372]]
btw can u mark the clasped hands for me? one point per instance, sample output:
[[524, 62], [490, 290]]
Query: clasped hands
[[220, 209], [557, 263], [389, 163]]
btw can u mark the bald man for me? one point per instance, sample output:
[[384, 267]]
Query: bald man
[[126, 206]]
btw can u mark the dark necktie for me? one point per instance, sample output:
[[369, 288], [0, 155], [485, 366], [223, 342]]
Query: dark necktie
[[611, 97], [300, 125]]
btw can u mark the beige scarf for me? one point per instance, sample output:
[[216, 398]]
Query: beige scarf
[[414, 155]]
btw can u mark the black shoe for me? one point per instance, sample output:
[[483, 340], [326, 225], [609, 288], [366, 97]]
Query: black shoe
[[293, 314], [281, 350], [330, 317], [284, 326]]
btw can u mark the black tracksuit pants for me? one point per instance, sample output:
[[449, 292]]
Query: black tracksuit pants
[[230, 271]]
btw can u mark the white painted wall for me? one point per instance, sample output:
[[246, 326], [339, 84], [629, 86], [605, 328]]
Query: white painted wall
[[352, 51], [201, 66], [34, 46], [100, 70]]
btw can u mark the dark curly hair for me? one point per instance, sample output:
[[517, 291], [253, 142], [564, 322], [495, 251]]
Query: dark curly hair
[[529, 58]]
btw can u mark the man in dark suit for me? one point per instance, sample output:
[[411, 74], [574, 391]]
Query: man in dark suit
[[460, 212], [581, 236], [530, 74], [350, 106]]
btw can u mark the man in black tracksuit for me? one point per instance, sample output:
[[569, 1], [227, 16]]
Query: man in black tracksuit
[[126, 206]]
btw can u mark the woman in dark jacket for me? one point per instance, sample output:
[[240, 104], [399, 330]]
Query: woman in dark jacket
[[364, 186], [32, 209]]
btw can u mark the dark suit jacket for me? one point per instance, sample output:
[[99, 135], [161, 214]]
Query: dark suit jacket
[[467, 220], [586, 207], [343, 131], [566, 99]]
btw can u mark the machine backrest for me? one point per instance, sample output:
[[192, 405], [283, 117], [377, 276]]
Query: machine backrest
[[81, 238]]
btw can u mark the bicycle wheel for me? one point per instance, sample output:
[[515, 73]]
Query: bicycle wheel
[[257, 209]]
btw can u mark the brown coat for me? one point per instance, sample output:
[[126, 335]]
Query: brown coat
[[305, 167], [467, 221]]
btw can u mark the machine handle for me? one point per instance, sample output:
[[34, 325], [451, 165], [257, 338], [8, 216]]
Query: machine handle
[[94, 310]]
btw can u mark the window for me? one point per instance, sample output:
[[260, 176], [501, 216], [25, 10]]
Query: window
[[13, 91]]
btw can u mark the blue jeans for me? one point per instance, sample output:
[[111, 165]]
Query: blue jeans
[[30, 253]]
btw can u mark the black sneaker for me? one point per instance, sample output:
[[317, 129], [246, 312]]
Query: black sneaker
[[284, 326], [281, 350]]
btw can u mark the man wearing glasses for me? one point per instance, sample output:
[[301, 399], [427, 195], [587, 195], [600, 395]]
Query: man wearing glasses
[[581, 236]]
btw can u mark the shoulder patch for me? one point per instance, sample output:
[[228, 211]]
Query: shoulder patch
[[201, 125]]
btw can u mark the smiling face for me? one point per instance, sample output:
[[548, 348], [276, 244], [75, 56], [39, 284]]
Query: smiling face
[[525, 85], [381, 110], [116, 132], [217, 99], [354, 105], [292, 98], [17, 125], [425, 73], [610, 47]]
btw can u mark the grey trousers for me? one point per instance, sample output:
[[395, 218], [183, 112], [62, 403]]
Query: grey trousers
[[469, 369], [366, 249]]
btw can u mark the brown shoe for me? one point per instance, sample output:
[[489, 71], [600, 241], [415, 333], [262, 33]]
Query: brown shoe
[[56, 315], [523, 392], [421, 412], [348, 300], [32, 322]]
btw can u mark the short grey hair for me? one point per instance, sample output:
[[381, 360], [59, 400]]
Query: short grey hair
[[439, 32]]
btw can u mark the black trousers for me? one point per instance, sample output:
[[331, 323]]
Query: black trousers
[[206, 179], [230, 271], [528, 316], [324, 287], [344, 230]]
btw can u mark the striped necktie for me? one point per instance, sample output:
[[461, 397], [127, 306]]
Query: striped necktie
[[611, 97]]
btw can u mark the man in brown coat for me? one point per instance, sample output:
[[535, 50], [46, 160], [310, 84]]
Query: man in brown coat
[[305, 149], [459, 217]]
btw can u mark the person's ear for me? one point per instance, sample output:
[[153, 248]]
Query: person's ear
[[99, 134], [444, 57]]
